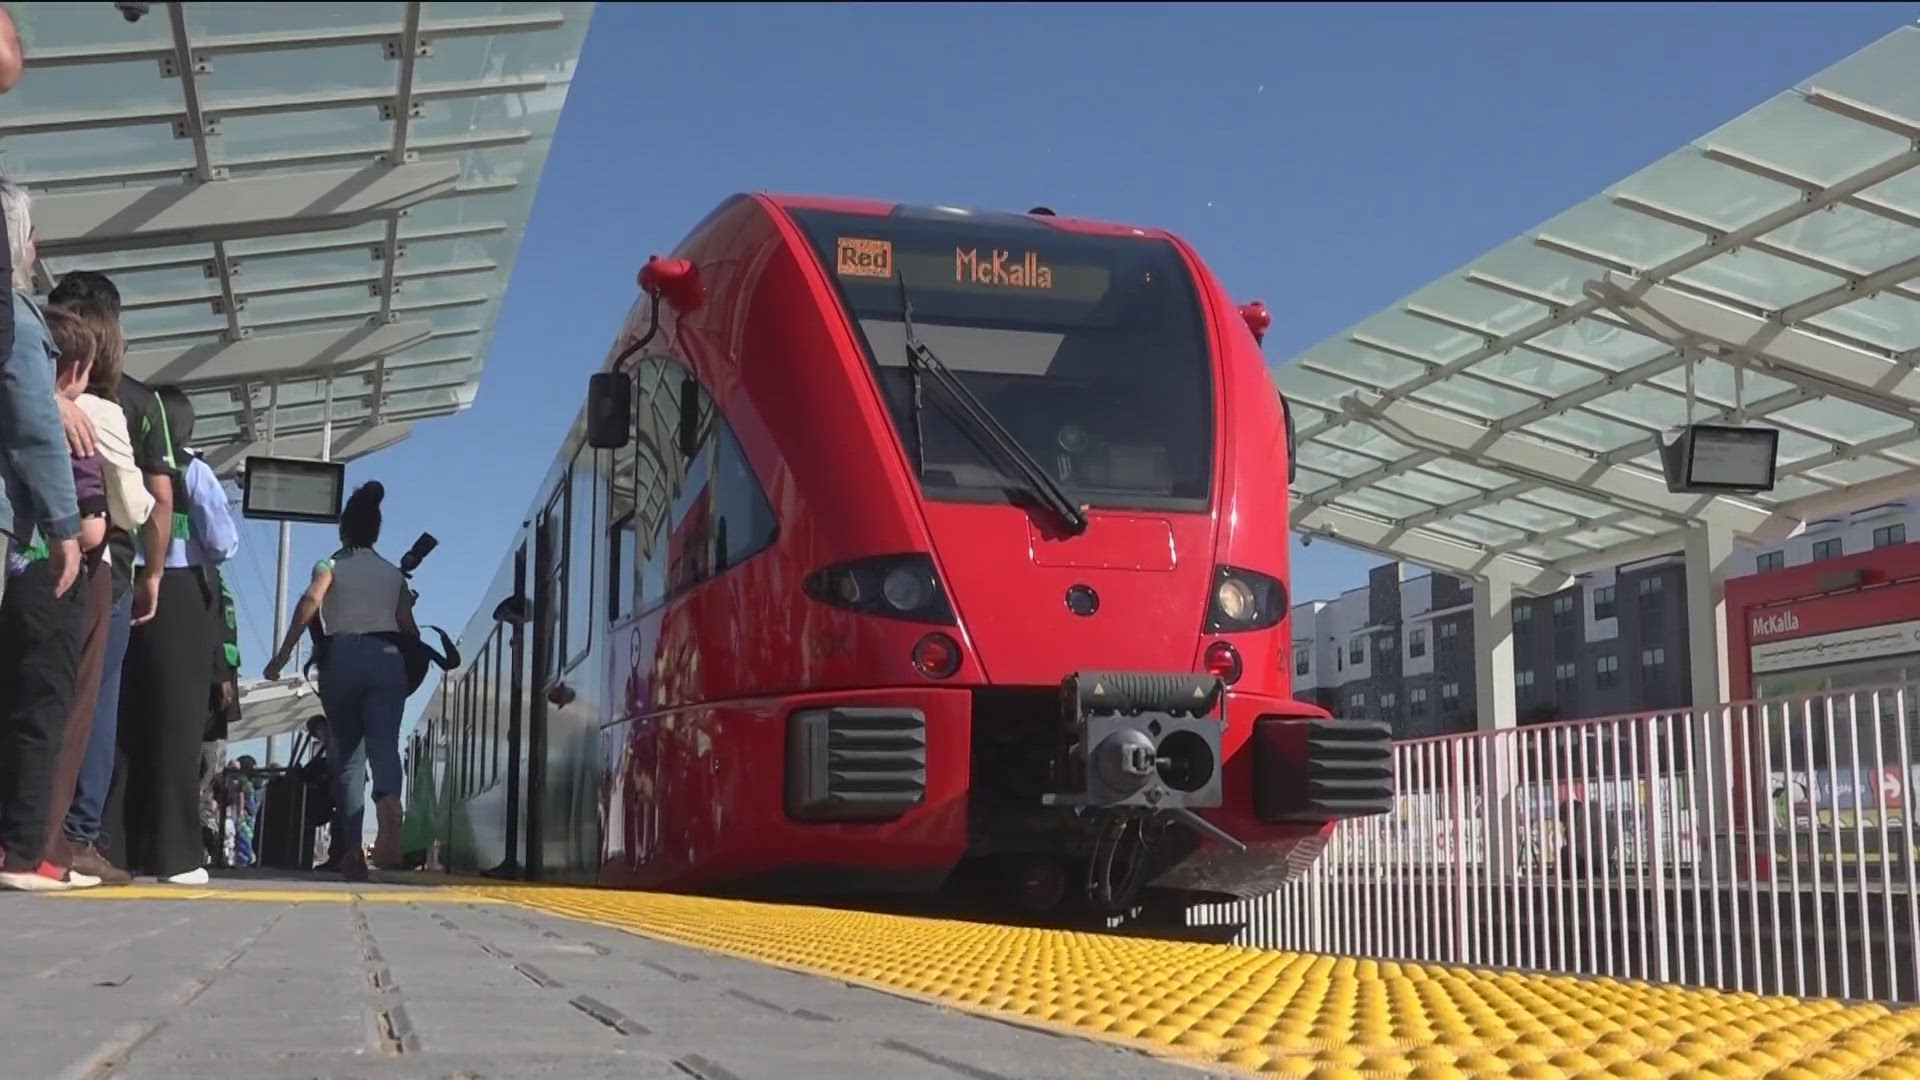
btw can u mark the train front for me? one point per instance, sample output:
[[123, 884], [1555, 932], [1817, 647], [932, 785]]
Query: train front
[[1100, 461]]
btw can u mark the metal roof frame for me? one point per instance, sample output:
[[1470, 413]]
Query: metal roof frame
[[389, 129], [1506, 420]]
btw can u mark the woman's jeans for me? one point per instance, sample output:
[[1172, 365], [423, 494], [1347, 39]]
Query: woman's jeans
[[96, 770], [364, 690]]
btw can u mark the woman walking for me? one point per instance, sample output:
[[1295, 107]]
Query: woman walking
[[364, 607]]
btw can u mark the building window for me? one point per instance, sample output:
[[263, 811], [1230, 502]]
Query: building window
[[1523, 679], [1606, 671], [1826, 549], [1450, 696], [1650, 589], [1301, 663], [1563, 609], [1890, 534], [1417, 642], [1449, 631], [1388, 701], [1357, 700], [1417, 701], [1603, 602], [1652, 659], [1356, 650], [1522, 612], [1384, 644], [1565, 675], [1769, 560]]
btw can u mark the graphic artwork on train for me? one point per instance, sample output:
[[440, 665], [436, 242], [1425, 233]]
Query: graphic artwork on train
[[905, 550]]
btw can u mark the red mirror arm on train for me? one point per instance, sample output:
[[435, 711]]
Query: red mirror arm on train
[[677, 281], [560, 695], [1257, 318]]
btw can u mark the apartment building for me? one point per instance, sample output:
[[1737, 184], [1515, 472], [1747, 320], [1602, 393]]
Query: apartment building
[[1400, 648]]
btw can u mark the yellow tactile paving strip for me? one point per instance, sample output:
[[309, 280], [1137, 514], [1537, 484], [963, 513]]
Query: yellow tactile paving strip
[[273, 896], [1283, 1014]]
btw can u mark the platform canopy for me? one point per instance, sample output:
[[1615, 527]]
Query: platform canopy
[[1503, 421], [311, 210]]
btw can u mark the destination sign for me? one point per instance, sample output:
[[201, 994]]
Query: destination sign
[[970, 268]]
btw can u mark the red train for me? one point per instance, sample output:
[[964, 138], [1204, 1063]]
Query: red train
[[894, 541]]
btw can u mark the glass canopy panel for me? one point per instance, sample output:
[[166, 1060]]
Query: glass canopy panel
[[1858, 241], [1761, 280], [1635, 240], [1880, 75], [1355, 363], [1603, 343], [1383, 504], [1715, 381], [1566, 502], [1477, 530], [1587, 431], [1537, 270], [1428, 488], [1467, 472], [1689, 183], [283, 87], [1311, 386], [1858, 471], [1307, 481], [1899, 193], [1462, 301], [1342, 463], [1889, 321], [1524, 515], [1420, 337], [1536, 371], [1476, 397], [1806, 140], [1368, 440], [1841, 420]]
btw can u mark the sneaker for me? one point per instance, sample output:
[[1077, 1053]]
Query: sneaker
[[88, 860], [196, 876], [81, 881], [44, 878]]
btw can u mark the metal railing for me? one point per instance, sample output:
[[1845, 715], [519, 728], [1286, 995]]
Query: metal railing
[[1758, 846]]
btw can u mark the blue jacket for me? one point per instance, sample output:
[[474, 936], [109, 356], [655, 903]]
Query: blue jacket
[[36, 468]]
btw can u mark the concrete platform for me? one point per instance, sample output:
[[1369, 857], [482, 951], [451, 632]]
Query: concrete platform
[[309, 979]]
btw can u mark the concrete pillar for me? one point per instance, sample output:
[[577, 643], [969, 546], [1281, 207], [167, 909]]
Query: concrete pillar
[[1708, 549], [1493, 653]]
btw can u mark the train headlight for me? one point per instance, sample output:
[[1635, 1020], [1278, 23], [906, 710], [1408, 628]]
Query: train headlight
[[1234, 599], [906, 588], [1245, 600], [902, 586]]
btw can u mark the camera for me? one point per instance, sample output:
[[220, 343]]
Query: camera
[[132, 12], [421, 548]]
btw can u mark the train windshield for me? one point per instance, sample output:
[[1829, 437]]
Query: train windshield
[[1089, 350]]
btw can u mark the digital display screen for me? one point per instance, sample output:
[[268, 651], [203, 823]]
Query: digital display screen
[[294, 489], [978, 268], [1732, 457]]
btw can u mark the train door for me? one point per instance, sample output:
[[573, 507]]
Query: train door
[[516, 712], [546, 599]]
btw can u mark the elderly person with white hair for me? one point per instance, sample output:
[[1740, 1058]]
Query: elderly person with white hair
[[40, 611]]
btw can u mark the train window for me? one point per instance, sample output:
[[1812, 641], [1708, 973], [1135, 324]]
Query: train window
[[746, 524], [699, 508], [622, 549], [1090, 349]]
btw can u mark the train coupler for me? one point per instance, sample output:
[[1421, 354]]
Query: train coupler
[[1146, 741]]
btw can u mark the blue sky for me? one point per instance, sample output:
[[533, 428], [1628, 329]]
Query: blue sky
[[1327, 159]]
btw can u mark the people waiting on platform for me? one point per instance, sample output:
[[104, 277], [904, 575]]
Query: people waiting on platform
[[167, 670], [363, 604], [42, 474], [136, 590]]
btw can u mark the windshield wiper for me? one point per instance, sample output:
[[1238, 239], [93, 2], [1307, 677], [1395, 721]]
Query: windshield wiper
[[1036, 479]]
